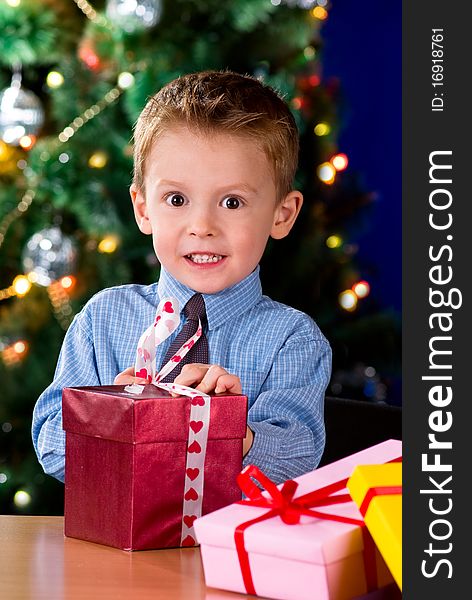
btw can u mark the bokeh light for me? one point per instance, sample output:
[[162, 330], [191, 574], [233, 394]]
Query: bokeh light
[[27, 141], [327, 173], [321, 129], [54, 79], [20, 347], [348, 300], [361, 289], [334, 241], [68, 282], [98, 160], [109, 244], [21, 499], [320, 13], [309, 52], [14, 354], [125, 80], [340, 162], [21, 285]]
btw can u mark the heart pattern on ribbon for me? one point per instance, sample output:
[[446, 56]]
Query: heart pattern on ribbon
[[168, 307], [196, 425], [194, 447], [188, 541], [191, 494], [166, 321], [189, 519], [198, 401], [143, 374], [192, 473]]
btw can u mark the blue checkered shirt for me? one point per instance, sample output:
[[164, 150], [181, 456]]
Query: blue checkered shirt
[[279, 353]]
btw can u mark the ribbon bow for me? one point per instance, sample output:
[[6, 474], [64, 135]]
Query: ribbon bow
[[281, 502], [166, 321]]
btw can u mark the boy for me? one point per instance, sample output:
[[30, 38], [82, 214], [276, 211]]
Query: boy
[[215, 155]]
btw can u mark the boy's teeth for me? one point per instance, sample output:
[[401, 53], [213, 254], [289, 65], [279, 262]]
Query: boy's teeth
[[205, 258]]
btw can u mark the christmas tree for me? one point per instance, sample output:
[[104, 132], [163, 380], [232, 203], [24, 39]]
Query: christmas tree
[[74, 77]]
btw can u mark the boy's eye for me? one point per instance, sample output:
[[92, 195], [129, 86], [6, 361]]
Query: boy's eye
[[231, 202], [175, 200]]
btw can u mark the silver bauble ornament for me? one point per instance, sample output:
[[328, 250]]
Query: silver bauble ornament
[[49, 254], [134, 15], [305, 4], [21, 112]]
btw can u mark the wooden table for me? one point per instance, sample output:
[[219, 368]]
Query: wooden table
[[37, 562]]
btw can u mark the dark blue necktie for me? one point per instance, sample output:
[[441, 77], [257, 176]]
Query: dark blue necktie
[[193, 310]]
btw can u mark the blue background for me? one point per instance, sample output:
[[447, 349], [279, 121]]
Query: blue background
[[362, 46]]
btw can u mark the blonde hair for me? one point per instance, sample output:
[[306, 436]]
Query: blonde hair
[[222, 102]]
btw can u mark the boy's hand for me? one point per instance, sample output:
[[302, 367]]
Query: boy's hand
[[127, 376], [213, 378], [209, 379]]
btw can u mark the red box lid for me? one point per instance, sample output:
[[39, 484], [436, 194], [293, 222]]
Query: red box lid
[[153, 416]]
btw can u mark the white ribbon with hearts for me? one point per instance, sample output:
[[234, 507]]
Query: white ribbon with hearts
[[166, 321]]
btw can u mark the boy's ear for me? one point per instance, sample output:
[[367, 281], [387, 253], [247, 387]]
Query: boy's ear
[[286, 214], [140, 209]]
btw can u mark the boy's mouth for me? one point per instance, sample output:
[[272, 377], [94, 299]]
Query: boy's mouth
[[201, 259]]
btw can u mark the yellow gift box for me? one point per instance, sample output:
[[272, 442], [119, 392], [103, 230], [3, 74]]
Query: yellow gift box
[[376, 489]]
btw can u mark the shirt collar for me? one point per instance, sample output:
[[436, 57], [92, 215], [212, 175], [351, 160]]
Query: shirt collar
[[229, 303]]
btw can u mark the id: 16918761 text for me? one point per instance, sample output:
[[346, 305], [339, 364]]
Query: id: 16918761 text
[[437, 69]]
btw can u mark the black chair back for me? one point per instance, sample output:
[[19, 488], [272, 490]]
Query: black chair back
[[353, 425]]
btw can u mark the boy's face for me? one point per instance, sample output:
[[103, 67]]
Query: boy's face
[[210, 205]]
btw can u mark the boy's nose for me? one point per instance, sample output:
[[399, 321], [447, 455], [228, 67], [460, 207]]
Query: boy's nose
[[202, 224]]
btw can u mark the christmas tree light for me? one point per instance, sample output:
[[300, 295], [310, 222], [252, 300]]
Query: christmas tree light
[[348, 300], [21, 285], [22, 498], [361, 289], [27, 141], [108, 245], [340, 162], [12, 355], [322, 129], [334, 241], [327, 173], [319, 13], [54, 79], [68, 282], [98, 160]]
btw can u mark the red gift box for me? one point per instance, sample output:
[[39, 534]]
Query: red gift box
[[126, 463]]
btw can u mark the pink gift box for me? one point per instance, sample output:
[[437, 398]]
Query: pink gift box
[[126, 463], [291, 562]]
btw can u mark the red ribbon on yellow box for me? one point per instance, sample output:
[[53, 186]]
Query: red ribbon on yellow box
[[384, 490], [281, 503], [383, 517]]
